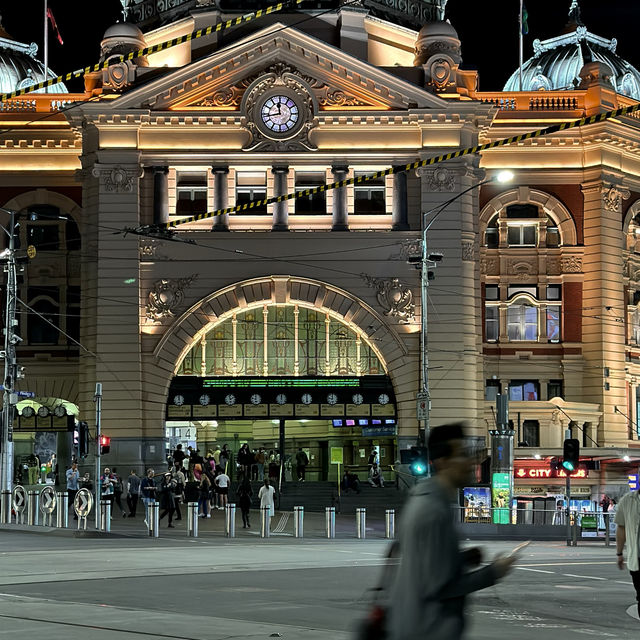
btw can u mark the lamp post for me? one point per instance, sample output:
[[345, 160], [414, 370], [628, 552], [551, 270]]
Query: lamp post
[[430, 260]]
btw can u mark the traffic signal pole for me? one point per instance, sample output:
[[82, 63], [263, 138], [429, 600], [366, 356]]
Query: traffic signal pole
[[502, 463], [97, 398]]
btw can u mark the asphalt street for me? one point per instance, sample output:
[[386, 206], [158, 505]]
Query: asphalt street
[[212, 588]]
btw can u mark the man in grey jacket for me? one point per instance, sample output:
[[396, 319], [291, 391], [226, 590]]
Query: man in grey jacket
[[428, 593]]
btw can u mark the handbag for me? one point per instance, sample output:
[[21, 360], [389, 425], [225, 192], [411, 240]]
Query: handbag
[[374, 625]]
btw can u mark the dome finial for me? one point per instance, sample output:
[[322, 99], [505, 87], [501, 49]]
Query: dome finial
[[575, 16]]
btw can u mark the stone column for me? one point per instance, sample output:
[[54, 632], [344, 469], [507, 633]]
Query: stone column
[[400, 214], [340, 204], [280, 209], [160, 195], [220, 196]]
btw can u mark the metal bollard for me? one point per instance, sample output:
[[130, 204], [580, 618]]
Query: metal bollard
[[607, 535], [33, 508], [105, 516], [5, 507], [153, 519], [192, 519], [330, 518], [265, 522], [230, 520], [62, 509], [390, 524], [361, 523], [298, 522]]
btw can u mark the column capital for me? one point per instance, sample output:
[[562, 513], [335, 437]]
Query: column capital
[[219, 168], [117, 178], [335, 168], [160, 169], [280, 169]]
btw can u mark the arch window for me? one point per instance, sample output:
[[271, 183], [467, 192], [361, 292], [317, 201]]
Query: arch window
[[635, 327], [522, 320], [282, 340]]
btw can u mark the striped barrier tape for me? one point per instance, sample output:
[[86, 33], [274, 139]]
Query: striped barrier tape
[[600, 117], [162, 46]]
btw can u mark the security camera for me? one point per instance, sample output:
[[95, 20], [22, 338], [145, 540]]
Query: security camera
[[414, 259], [436, 256]]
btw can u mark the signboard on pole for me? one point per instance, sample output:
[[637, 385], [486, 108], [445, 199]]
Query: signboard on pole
[[500, 497], [422, 405], [337, 455]]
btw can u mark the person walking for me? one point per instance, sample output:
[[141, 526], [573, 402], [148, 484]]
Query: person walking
[[302, 460], [178, 456], [204, 496], [260, 460], [244, 502], [244, 459], [133, 493], [73, 478], [225, 456], [222, 486], [430, 585], [118, 489], [627, 519], [107, 491], [266, 497], [178, 476], [166, 492], [148, 491]]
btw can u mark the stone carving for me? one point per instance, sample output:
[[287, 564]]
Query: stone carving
[[521, 268], [340, 98], [149, 250], [553, 266], [409, 248], [395, 298], [117, 179], [489, 266], [613, 196], [571, 264], [468, 251], [441, 180], [166, 296]]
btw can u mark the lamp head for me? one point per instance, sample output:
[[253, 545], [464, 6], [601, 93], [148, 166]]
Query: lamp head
[[504, 176]]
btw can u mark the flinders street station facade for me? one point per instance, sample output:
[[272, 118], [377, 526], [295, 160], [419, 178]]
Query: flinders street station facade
[[302, 318]]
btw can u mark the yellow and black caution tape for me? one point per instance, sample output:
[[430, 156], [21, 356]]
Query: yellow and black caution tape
[[600, 117], [162, 46]]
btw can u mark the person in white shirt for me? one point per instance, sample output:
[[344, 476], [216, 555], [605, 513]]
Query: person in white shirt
[[222, 488], [265, 495], [628, 520]]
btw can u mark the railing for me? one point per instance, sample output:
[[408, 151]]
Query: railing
[[42, 102], [538, 101]]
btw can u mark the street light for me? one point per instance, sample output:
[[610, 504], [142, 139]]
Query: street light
[[430, 259]]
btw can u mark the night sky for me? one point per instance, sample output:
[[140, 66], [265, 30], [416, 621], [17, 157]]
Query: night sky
[[488, 29]]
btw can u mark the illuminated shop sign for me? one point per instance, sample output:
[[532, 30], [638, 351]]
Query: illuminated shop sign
[[542, 472]]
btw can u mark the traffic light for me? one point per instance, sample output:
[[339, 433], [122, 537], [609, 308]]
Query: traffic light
[[83, 439], [105, 445], [571, 454], [419, 461]]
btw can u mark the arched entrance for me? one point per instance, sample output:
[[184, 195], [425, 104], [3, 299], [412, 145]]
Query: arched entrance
[[304, 361]]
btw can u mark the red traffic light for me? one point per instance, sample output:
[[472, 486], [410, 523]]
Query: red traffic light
[[105, 444]]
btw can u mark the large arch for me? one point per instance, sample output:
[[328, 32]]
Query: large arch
[[46, 196], [549, 204]]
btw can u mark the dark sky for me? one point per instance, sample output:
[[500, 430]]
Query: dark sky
[[488, 29]]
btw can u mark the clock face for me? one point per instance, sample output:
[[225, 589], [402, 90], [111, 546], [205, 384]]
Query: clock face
[[255, 399], [332, 398], [307, 399], [60, 411], [178, 400], [281, 398], [357, 398], [230, 399], [280, 114], [383, 398], [43, 412], [204, 399], [28, 412]]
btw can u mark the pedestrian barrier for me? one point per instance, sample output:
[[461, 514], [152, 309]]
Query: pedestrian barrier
[[192, 519], [361, 523], [105, 516], [153, 519], [330, 521], [265, 522], [47, 500], [33, 509], [390, 524], [5, 507], [230, 520], [82, 505], [62, 509], [298, 522]]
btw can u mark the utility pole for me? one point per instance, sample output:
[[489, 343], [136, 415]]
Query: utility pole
[[97, 398], [10, 365]]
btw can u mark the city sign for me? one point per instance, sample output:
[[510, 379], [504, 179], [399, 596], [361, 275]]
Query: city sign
[[541, 472], [633, 481]]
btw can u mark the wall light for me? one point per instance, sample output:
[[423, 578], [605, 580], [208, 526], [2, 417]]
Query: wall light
[[504, 176]]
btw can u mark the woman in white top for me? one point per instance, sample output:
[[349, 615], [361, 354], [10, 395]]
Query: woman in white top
[[265, 495]]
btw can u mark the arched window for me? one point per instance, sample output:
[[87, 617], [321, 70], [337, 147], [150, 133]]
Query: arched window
[[553, 233], [282, 340], [522, 320], [492, 234]]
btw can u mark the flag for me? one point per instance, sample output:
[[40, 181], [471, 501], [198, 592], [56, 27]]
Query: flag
[[524, 18], [54, 26]]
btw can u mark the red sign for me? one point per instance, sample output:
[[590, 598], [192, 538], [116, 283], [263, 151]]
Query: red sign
[[543, 471]]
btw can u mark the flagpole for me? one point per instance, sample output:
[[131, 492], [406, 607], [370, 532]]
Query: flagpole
[[46, 45], [521, 37]]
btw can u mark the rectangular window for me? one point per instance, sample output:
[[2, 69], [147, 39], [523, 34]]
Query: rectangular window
[[553, 236], [492, 323], [554, 389], [524, 390], [491, 292], [251, 186], [522, 211], [369, 196], [553, 323], [522, 235], [191, 193], [530, 433], [554, 292], [44, 235], [316, 203], [491, 389], [522, 322], [73, 314]]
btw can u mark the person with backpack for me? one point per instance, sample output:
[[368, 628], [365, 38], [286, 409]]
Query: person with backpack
[[244, 502], [302, 460]]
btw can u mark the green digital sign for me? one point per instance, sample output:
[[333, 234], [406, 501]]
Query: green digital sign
[[500, 496], [246, 383]]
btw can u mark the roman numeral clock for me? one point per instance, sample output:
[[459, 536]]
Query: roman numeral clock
[[279, 110]]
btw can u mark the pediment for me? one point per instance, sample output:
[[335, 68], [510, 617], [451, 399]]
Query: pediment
[[338, 80]]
